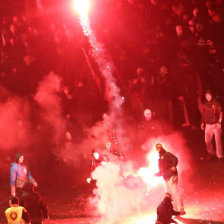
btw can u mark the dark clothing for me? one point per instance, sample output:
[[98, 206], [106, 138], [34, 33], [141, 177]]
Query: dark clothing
[[33, 202], [165, 211], [19, 191], [211, 112], [26, 216], [166, 161]]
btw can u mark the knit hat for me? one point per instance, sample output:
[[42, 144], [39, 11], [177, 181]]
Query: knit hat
[[18, 155]]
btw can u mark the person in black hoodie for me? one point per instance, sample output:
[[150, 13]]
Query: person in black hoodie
[[165, 211], [34, 204], [168, 169]]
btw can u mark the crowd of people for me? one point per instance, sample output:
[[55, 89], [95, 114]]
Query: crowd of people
[[167, 54], [175, 46]]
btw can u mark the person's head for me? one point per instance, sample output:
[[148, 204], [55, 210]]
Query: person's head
[[19, 158], [168, 195], [179, 30], [208, 95], [148, 114], [139, 71], [14, 201], [160, 149], [191, 25]]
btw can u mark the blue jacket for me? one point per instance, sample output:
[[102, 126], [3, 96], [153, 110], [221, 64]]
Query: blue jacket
[[19, 174]]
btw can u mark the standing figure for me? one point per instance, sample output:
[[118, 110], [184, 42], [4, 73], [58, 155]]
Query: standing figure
[[32, 201], [168, 169], [211, 123], [165, 211], [16, 214], [19, 174]]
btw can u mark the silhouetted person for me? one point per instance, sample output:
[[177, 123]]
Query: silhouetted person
[[16, 214], [211, 123], [33, 202], [19, 175], [165, 211], [168, 170]]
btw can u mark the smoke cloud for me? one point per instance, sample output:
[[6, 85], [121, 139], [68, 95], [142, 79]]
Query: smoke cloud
[[49, 100], [122, 191], [119, 193], [15, 125]]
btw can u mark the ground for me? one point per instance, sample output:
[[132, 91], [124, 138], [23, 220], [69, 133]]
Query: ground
[[203, 201]]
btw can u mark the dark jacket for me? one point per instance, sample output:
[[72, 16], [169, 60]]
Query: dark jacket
[[211, 112], [34, 204], [165, 211], [166, 162]]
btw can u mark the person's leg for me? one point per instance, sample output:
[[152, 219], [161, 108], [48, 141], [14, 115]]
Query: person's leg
[[209, 133], [218, 140], [167, 186], [175, 192]]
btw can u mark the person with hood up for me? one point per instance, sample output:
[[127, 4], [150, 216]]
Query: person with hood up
[[19, 174], [32, 201]]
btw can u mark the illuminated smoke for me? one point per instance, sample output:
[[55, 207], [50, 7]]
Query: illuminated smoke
[[112, 92], [124, 193], [14, 126], [48, 98], [95, 138], [119, 193]]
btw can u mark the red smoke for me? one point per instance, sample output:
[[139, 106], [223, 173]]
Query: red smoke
[[14, 126]]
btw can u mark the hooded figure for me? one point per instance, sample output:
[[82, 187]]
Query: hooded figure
[[19, 174], [32, 201], [165, 211]]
